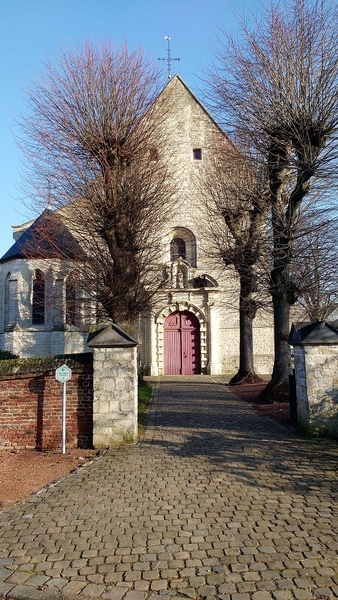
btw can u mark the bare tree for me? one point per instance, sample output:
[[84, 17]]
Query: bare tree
[[277, 84], [235, 189], [90, 138], [313, 267]]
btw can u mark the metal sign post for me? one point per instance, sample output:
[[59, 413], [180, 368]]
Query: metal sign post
[[63, 374]]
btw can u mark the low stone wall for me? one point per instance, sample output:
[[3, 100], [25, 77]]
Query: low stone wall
[[316, 371], [31, 403]]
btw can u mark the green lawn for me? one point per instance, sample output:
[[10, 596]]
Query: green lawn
[[144, 395]]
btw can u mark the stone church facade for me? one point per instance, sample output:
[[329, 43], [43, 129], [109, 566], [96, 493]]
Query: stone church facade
[[193, 326]]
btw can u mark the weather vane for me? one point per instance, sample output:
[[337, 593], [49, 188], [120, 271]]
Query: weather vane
[[168, 59]]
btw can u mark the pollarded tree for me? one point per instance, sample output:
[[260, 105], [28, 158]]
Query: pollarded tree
[[314, 264], [91, 139], [277, 84], [235, 189]]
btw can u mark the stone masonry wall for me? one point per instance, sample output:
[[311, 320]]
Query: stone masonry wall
[[316, 372], [115, 396], [31, 408]]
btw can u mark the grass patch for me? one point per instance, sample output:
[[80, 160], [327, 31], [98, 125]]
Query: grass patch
[[144, 396]]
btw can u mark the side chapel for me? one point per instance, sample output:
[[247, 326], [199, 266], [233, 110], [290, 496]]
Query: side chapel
[[194, 324]]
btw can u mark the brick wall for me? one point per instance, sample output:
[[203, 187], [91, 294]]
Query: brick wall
[[31, 404]]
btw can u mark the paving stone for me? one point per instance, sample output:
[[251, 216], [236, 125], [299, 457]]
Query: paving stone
[[261, 596], [57, 583], [196, 581], [206, 590], [285, 584], [282, 595], [304, 582], [4, 574], [5, 588], [158, 585], [303, 594], [6, 561], [93, 591], [322, 592], [233, 578], [255, 576], [266, 585], [178, 584], [18, 577], [270, 575], [114, 593], [141, 586], [214, 500], [26, 592], [246, 586], [37, 580]]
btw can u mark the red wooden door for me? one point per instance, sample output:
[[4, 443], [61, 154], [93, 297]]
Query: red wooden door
[[182, 344]]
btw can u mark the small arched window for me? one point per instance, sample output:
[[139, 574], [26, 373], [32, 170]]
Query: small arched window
[[11, 301], [177, 249], [182, 244], [38, 301]]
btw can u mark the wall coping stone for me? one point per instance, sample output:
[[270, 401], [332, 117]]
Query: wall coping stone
[[110, 336], [44, 365], [320, 333]]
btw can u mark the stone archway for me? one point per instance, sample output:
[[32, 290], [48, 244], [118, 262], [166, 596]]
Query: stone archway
[[159, 322], [182, 344]]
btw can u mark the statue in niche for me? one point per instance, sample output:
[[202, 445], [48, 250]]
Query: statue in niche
[[180, 279]]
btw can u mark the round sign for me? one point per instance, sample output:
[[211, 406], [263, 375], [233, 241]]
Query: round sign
[[63, 374]]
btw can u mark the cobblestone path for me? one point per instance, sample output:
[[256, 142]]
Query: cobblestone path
[[215, 501]]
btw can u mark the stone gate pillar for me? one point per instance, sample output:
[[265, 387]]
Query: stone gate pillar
[[316, 373], [115, 386]]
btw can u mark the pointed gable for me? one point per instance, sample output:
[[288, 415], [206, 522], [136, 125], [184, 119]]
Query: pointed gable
[[178, 83], [110, 336], [47, 237]]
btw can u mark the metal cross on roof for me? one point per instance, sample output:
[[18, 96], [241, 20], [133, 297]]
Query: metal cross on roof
[[168, 59]]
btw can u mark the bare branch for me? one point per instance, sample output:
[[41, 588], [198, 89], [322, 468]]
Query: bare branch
[[276, 84], [90, 139]]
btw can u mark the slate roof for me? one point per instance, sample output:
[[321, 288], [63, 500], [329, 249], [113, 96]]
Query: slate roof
[[47, 237], [318, 333]]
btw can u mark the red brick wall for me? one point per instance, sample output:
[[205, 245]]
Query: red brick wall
[[31, 411]]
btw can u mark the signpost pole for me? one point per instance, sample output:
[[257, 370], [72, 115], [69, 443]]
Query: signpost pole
[[64, 394], [63, 374]]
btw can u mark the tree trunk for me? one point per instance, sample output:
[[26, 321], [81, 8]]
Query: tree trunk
[[277, 388], [247, 313], [282, 214]]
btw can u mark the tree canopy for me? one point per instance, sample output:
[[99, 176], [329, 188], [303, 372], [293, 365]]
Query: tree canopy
[[276, 84], [90, 139]]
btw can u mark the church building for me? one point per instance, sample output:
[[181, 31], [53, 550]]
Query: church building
[[193, 326]]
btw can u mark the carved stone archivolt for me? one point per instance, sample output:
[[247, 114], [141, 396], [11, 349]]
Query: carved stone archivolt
[[181, 305]]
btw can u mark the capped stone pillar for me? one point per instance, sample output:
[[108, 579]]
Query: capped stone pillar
[[316, 367], [115, 386]]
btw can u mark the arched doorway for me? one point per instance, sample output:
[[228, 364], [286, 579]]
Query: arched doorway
[[182, 354]]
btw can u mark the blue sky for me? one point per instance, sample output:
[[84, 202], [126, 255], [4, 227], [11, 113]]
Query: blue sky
[[31, 30]]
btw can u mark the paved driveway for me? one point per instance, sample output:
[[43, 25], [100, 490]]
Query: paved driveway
[[214, 502]]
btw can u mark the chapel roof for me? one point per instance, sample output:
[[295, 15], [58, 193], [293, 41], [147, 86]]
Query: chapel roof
[[47, 237]]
